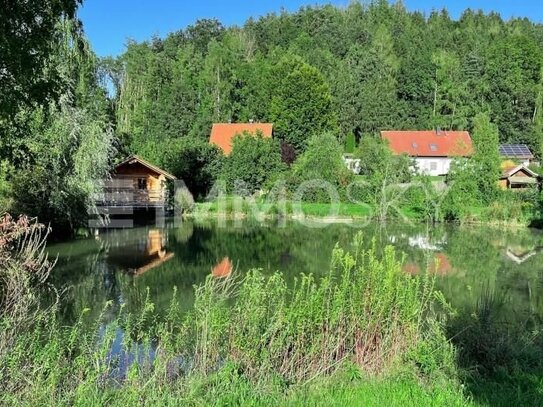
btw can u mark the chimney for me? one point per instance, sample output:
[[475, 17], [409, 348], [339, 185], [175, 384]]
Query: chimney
[[438, 131], [251, 121]]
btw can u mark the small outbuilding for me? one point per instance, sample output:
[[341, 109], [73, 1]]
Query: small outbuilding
[[136, 183], [519, 177]]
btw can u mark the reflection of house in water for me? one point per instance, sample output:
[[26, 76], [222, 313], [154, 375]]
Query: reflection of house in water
[[517, 250], [519, 255], [145, 253], [439, 265], [423, 242], [223, 269]]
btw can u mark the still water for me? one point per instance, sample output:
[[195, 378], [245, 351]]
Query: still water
[[120, 266]]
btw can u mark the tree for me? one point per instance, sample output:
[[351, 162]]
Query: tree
[[195, 162], [449, 92], [321, 161], [383, 173], [252, 163], [203, 32], [29, 36], [69, 155], [486, 158], [371, 90], [301, 104]]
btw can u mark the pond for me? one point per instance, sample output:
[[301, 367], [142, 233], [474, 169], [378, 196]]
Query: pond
[[119, 266]]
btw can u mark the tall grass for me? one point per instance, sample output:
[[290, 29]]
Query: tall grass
[[24, 270], [248, 334]]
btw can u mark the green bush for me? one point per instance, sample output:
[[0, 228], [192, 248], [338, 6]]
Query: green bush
[[350, 143], [321, 161], [5, 186], [252, 163], [196, 162]]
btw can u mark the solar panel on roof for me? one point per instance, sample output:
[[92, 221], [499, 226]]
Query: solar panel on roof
[[515, 150]]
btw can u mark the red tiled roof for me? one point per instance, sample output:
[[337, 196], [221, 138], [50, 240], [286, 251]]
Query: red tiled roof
[[430, 143], [223, 133]]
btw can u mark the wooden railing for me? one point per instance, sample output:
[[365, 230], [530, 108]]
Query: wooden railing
[[128, 196]]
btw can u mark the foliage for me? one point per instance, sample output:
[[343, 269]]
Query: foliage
[[197, 163], [5, 186], [252, 163], [350, 143], [288, 153], [184, 200], [463, 193], [384, 176], [319, 173], [486, 159], [302, 103], [68, 157], [28, 37]]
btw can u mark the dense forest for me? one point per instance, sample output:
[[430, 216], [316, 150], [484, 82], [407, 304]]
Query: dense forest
[[358, 69], [67, 115]]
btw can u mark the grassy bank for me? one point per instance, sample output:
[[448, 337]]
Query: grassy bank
[[237, 207]]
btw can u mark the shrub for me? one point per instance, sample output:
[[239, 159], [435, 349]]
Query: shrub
[[184, 200], [194, 161], [350, 143], [253, 161], [322, 161], [5, 186]]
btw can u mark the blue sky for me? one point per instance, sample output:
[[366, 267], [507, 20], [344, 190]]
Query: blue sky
[[108, 23]]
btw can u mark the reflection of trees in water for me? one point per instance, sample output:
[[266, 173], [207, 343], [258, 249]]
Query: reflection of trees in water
[[467, 258]]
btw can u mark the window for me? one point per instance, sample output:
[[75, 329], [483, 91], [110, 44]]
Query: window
[[433, 166], [142, 183], [433, 147]]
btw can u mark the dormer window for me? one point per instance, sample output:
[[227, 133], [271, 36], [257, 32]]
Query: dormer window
[[415, 146], [433, 147]]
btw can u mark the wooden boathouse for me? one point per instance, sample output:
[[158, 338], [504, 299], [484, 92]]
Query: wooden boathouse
[[135, 184]]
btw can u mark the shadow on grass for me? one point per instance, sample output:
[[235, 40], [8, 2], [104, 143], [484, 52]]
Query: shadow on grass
[[500, 352]]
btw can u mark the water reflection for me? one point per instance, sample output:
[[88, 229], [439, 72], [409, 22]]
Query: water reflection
[[223, 269], [138, 253], [118, 266]]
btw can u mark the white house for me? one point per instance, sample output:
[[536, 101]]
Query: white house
[[433, 150], [352, 163]]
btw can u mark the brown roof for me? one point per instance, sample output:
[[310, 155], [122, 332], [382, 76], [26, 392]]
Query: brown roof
[[430, 143], [223, 133], [511, 171], [135, 159]]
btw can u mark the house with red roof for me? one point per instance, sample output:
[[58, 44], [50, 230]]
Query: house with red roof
[[222, 134], [432, 150]]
